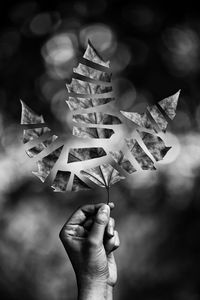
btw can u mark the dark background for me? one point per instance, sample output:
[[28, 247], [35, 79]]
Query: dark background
[[154, 51]]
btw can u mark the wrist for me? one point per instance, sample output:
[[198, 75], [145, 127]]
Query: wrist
[[92, 290]]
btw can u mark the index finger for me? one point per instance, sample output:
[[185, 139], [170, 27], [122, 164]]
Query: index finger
[[84, 212]]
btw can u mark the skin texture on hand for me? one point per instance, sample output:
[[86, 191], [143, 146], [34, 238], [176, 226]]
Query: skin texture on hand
[[90, 239]]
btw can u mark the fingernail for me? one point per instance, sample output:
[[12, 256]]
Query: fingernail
[[104, 209]]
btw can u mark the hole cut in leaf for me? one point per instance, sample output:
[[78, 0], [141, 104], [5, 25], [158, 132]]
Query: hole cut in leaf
[[61, 181], [79, 185], [46, 164], [41, 146]]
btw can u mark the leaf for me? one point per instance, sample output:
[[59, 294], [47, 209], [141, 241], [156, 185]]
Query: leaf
[[61, 181], [141, 120], [92, 73], [30, 117], [96, 118], [122, 161], [155, 145], [81, 154], [169, 105], [32, 134], [142, 158], [76, 103], [78, 184], [95, 133], [104, 175], [91, 101], [92, 55], [158, 117], [41, 146], [46, 164]]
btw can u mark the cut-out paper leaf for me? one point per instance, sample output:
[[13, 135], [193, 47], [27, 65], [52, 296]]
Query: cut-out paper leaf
[[91, 101]]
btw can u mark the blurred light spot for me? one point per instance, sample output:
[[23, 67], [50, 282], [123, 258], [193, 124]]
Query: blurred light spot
[[9, 43], [43, 23], [183, 47], [125, 93], [101, 37], [59, 55], [58, 50], [121, 58]]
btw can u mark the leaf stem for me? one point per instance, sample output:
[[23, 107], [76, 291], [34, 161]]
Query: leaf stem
[[108, 194]]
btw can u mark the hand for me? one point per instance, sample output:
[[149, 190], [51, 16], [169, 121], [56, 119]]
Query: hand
[[90, 239]]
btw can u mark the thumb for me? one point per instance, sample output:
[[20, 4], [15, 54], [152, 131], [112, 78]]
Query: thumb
[[100, 222]]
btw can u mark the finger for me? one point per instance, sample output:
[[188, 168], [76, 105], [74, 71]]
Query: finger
[[73, 231], [112, 243], [83, 213], [101, 219], [110, 227], [89, 221]]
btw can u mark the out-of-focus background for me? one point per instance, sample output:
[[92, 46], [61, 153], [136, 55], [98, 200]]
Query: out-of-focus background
[[154, 51]]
